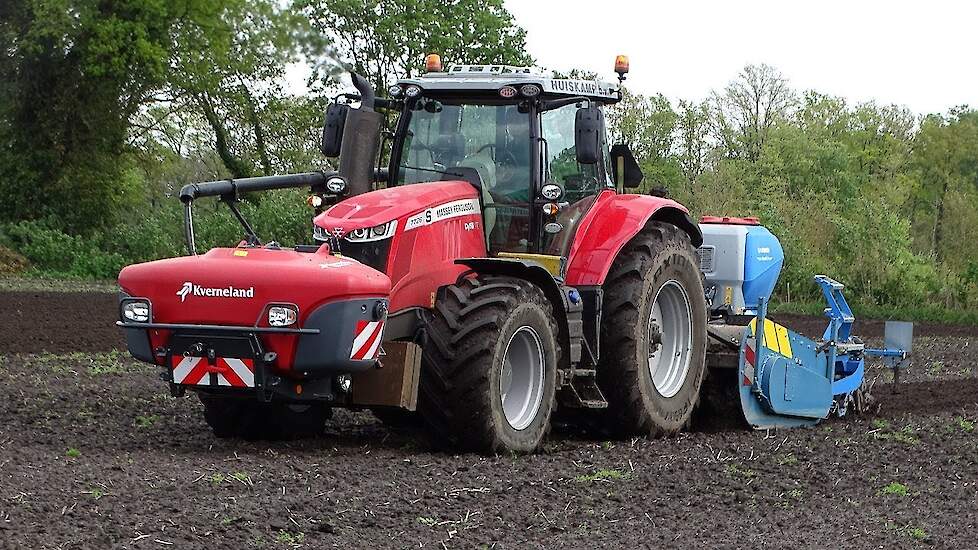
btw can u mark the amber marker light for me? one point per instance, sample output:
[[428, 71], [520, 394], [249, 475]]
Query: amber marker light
[[432, 63], [621, 66]]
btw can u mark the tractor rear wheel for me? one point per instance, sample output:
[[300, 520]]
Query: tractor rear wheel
[[489, 367], [250, 419], [653, 334]]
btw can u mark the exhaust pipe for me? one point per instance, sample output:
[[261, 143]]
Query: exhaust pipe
[[361, 140]]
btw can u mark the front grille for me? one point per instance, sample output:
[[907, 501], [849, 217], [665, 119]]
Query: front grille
[[373, 253], [706, 254]]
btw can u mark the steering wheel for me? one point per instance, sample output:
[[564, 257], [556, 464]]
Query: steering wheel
[[491, 147]]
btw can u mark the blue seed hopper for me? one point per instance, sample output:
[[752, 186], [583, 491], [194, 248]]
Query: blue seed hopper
[[784, 379]]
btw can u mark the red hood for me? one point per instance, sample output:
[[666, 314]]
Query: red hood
[[385, 205], [232, 286]]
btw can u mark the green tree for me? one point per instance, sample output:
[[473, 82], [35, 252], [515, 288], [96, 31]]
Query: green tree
[[78, 73], [646, 124], [693, 146], [388, 39], [945, 161], [74, 74], [747, 109]]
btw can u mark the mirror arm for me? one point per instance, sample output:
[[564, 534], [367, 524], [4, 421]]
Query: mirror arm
[[252, 237], [389, 104], [558, 103], [188, 226]]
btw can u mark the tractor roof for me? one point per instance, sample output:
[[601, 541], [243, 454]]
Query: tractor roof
[[494, 77]]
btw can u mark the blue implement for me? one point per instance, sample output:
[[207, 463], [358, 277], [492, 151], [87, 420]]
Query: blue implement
[[788, 380]]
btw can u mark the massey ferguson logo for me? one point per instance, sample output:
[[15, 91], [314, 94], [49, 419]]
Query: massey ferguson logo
[[190, 288]]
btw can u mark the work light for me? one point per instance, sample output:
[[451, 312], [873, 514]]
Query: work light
[[336, 185], [282, 316], [136, 311]]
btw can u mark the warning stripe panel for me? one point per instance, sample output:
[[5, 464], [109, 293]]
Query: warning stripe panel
[[228, 371], [366, 340]]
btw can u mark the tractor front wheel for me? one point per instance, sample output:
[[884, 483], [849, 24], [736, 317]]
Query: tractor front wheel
[[653, 334], [250, 419], [489, 366]]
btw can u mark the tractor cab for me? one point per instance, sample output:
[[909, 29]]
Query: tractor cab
[[535, 146]]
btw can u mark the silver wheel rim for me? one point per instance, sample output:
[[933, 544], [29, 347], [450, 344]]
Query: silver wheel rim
[[670, 339], [521, 379]]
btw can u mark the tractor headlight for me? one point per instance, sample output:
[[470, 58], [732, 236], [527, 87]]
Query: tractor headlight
[[412, 91], [320, 233], [282, 316], [137, 310], [376, 233]]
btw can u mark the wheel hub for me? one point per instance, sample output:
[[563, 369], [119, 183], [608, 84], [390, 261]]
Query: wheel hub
[[521, 378], [670, 338]]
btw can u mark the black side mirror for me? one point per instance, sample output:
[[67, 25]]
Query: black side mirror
[[333, 129], [588, 125], [625, 167]]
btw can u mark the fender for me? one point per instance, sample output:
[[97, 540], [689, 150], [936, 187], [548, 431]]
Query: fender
[[538, 275], [610, 224]]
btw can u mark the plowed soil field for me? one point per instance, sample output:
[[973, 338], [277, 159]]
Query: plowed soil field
[[94, 453]]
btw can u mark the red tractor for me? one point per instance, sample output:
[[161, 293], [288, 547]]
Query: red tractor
[[498, 272]]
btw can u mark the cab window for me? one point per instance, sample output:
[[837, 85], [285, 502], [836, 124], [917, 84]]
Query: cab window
[[579, 180]]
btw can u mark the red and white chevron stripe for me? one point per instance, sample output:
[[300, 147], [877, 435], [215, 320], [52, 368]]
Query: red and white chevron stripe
[[366, 340], [749, 360], [232, 372]]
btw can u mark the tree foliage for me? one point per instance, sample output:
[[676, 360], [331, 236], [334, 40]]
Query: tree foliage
[[107, 107], [879, 198], [385, 39]]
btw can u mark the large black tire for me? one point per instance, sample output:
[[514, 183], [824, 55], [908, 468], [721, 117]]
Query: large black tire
[[462, 364], [253, 420], [660, 254]]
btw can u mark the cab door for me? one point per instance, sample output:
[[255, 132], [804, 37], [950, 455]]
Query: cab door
[[581, 182]]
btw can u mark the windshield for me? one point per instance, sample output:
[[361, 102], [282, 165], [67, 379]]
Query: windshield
[[448, 140]]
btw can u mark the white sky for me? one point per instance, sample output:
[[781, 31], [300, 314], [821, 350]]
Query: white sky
[[921, 54]]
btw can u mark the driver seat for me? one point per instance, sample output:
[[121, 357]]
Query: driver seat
[[483, 164]]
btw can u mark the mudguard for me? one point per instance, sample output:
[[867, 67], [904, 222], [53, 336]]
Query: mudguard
[[610, 224]]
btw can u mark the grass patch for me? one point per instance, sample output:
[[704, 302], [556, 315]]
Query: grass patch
[[929, 314], [72, 453], [916, 533], [111, 362], [41, 282], [600, 475], [787, 460], [95, 492], [97, 364], [883, 431], [241, 477], [146, 421], [966, 425], [736, 471], [895, 488], [427, 521], [289, 538]]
